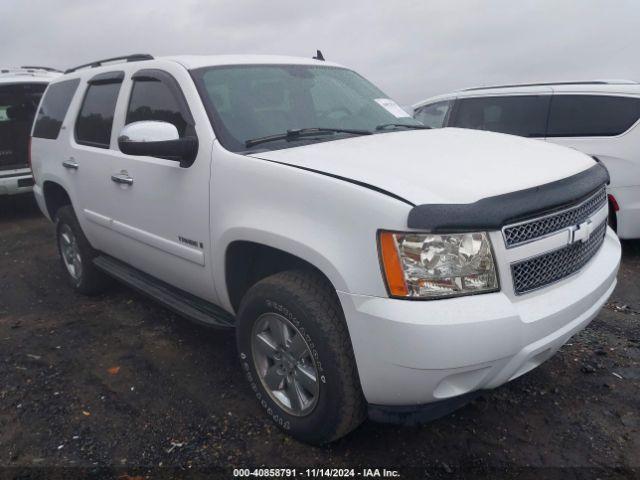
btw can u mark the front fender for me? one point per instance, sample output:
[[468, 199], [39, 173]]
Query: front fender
[[328, 222]]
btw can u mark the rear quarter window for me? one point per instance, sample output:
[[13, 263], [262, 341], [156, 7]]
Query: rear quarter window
[[592, 115], [523, 115], [53, 109]]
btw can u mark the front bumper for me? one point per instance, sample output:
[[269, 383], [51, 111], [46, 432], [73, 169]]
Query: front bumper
[[13, 182], [417, 352]]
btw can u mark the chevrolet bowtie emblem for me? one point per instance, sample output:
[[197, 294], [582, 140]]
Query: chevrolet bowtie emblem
[[581, 232]]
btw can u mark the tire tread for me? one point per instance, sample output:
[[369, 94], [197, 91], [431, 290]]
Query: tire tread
[[93, 281], [319, 297]]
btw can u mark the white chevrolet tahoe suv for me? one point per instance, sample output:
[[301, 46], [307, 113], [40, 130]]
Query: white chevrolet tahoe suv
[[600, 118], [20, 92], [367, 264]]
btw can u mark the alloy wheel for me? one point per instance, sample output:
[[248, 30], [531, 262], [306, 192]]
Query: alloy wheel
[[285, 364]]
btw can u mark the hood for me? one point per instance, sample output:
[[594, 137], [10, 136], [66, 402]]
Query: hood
[[447, 165]]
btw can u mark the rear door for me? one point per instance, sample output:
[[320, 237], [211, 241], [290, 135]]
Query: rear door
[[605, 126], [602, 126], [90, 160], [524, 115]]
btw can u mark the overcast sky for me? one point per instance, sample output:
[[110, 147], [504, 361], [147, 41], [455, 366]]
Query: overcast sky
[[411, 49]]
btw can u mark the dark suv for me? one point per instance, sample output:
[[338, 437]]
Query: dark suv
[[20, 93]]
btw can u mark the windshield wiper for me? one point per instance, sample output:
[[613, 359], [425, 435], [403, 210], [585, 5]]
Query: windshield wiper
[[294, 134], [384, 126]]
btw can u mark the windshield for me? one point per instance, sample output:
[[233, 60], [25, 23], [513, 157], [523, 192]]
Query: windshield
[[249, 102], [18, 104]]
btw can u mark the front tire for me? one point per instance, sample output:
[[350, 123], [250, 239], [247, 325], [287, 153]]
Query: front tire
[[76, 255], [296, 353]]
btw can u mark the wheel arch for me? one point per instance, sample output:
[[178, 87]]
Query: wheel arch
[[55, 197], [246, 262]]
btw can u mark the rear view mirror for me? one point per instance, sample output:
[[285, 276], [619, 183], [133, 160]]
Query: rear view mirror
[[158, 139]]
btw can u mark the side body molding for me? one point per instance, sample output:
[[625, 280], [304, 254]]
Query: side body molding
[[185, 252]]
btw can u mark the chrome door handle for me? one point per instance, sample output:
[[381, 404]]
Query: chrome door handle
[[122, 178], [71, 164]]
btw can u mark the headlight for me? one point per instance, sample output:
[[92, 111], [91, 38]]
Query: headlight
[[424, 265]]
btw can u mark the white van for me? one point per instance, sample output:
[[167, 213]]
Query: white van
[[20, 92], [599, 118], [368, 265]]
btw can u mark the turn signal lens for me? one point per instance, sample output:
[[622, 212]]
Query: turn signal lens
[[392, 266]]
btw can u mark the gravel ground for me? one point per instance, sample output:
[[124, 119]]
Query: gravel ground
[[117, 386]]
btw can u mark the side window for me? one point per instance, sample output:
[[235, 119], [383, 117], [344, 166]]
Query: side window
[[95, 120], [591, 115], [53, 109], [433, 115], [154, 99], [524, 115]]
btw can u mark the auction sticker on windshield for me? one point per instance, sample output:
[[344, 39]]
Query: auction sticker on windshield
[[392, 107]]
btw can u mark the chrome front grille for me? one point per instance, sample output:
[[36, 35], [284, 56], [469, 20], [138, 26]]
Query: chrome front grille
[[545, 269], [527, 231]]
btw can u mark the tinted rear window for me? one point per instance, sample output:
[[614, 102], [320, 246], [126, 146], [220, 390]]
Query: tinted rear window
[[54, 108], [18, 104], [95, 120], [591, 115], [524, 115]]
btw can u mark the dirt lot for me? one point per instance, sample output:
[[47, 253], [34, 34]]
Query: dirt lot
[[117, 385]]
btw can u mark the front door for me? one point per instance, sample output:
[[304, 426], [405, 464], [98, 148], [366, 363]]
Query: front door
[[159, 209]]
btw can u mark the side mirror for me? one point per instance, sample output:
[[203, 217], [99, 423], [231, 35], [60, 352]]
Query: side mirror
[[158, 139]]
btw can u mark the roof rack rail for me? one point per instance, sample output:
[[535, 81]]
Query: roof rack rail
[[548, 84], [136, 57], [46, 69]]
